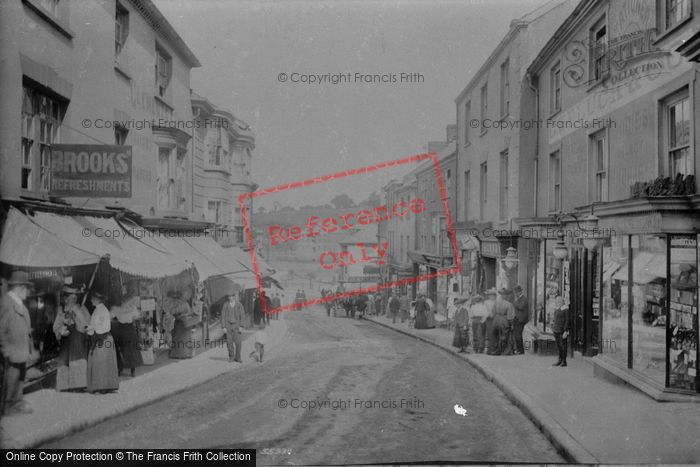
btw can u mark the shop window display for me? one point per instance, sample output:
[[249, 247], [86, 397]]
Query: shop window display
[[683, 313], [649, 295], [615, 279]]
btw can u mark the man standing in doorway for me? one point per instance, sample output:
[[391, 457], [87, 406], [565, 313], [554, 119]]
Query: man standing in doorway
[[232, 320], [522, 316]]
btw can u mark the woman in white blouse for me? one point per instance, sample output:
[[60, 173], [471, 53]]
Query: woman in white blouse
[[102, 373]]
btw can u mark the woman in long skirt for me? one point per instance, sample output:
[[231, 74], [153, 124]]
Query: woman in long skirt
[[125, 334], [69, 327], [102, 373], [421, 313], [461, 336]]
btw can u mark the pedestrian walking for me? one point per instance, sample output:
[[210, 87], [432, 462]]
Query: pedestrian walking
[[70, 327], [257, 310], [490, 303], [560, 328], [422, 308], [15, 342], [232, 321], [522, 316], [404, 307], [461, 322], [501, 327], [102, 369], [478, 313], [276, 303], [394, 307]]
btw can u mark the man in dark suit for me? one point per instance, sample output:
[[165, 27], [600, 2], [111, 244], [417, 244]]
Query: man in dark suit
[[394, 306], [522, 316], [232, 320], [15, 342], [560, 329]]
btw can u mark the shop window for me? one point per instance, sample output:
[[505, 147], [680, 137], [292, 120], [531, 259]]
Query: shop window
[[555, 89], [677, 115], [239, 234], [683, 313], [214, 211]]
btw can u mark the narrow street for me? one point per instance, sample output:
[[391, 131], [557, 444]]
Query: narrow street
[[337, 359]]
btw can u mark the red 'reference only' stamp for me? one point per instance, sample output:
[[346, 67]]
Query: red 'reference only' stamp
[[373, 253]]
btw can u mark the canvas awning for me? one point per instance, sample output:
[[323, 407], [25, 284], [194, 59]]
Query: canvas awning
[[27, 244], [100, 236]]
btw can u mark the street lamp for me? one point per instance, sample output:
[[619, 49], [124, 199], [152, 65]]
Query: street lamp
[[592, 237]]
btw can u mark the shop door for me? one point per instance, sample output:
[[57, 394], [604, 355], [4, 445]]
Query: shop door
[[584, 322]]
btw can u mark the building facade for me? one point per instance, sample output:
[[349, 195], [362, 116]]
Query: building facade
[[101, 73], [223, 147], [616, 211], [493, 171]]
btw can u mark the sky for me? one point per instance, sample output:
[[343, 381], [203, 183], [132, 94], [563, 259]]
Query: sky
[[305, 130]]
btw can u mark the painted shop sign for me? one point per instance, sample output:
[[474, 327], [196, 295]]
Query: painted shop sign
[[90, 170]]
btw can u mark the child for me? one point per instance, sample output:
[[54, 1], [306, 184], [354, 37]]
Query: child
[[260, 339]]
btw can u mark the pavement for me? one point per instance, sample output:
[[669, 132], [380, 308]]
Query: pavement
[[58, 414], [588, 419]]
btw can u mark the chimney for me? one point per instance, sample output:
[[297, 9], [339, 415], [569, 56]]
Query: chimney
[[436, 146], [451, 133]]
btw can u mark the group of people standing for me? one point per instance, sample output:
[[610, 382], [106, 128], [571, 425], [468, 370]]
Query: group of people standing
[[496, 319], [497, 322], [94, 346]]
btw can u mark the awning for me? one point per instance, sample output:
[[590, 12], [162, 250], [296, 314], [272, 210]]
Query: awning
[[468, 242], [27, 244], [206, 266], [136, 256]]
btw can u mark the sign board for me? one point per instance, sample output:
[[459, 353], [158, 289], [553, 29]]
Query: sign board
[[91, 170]]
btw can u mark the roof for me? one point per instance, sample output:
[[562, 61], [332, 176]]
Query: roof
[[162, 26], [515, 26], [240, 127]]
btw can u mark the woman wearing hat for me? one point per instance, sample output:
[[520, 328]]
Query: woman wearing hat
[[124, 332], [69, 327], [461, 336], [422, 308], [102, 373]]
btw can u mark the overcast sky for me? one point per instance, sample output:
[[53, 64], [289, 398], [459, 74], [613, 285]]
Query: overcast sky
[[304, 130]]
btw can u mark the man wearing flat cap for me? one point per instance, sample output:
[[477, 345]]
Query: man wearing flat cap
[[15, 342]]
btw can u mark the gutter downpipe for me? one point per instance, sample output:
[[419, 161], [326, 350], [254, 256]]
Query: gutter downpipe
[[537, 139]]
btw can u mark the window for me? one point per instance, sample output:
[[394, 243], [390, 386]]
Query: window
[[214, 211], [555, 182], [28, 113], [598, 51], [599, 163], [41, 122], [505, 88], [466, 195], [163, 71], [165, 181], [448, 180], [677, 11], [121, 28], [484, 105], [483, 187], [239, 233], [503, 186], [120, 135], [555, 89], [467, 117], [677, 114]]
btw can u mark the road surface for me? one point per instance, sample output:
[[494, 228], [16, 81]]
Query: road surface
[[390, 398]]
